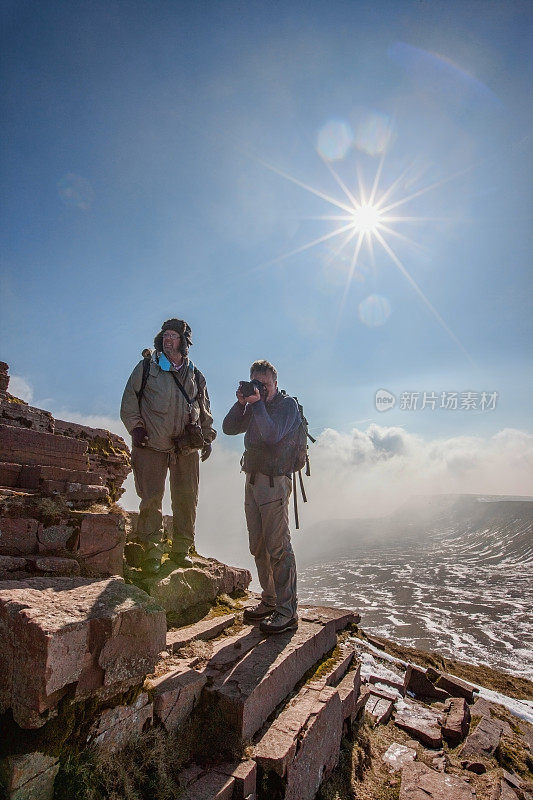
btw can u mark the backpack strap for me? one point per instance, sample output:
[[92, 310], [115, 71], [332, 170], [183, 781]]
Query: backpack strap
[[295, 495], [146, 370]]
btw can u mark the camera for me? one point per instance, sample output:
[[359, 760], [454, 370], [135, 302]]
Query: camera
[[247, 388], [190, 440]]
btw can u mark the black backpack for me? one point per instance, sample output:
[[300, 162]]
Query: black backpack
[[299, 450]]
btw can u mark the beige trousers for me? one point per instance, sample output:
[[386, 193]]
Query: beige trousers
[[267, 518], [150, 469]]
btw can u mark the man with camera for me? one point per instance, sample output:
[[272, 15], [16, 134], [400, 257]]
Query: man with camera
[[165, 408], [269, 419]]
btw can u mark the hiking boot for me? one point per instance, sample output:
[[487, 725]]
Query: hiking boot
[[278, 623], [257, 612]]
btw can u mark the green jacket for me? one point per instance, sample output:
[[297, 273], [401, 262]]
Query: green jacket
[[163, 409]]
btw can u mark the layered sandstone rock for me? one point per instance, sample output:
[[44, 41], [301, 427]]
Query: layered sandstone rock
[[38, 453], [87, 638]]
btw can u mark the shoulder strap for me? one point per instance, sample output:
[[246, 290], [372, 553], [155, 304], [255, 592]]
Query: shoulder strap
[[180, 387], [146, 370]]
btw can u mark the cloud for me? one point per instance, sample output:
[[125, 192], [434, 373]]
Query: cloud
[[21, 388], [362, 473]]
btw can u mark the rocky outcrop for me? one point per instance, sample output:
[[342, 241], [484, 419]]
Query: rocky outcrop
[[68, 635], [38, 453]]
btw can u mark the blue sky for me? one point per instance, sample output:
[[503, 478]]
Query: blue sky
[[142, 158]]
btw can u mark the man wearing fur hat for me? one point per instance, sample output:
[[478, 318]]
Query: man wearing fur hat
[[165, 407]]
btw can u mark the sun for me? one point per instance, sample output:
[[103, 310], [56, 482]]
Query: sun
[[363, 220], [366, 219]]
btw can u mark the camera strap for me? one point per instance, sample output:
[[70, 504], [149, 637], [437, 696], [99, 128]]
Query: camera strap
[[184, 393]]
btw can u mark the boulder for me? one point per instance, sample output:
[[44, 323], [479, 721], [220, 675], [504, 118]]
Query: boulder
[[417, 683], [379, 708], [456, 721], [186, 587], [244, 774], [483, 740], [95, 638], [397, 756], [454, 686], [29, 777], [421, 723], [420, 781], [55, 539]]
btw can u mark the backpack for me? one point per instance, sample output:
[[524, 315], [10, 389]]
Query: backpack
[[299, 450]]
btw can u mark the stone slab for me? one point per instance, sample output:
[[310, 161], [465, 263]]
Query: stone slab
[[248, 692], [210, 786], [348, 690], [341, 617], [397, 756], [18, 536], [101, 543], [314, 751], [23, 446], [421, 723], [456, 687], [420, 782], [417, 683], [483, 740], [96, 635], [175, 695], [457, 720], [244, 774], [379, 708], [205, 629], [9, 474], [53, 565], [117, 725], [29, 777]]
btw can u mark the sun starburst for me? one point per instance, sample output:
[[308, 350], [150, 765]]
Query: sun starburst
[[365, 221]]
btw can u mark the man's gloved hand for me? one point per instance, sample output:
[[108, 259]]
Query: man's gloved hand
[[139, 437], [206, 452]]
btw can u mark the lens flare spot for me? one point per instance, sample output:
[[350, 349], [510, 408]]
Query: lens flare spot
[[374, 310], [374, 134], [334, 140], [76, 191]]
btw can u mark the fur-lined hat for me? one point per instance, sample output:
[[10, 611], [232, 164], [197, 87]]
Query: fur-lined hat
[[181, 327]]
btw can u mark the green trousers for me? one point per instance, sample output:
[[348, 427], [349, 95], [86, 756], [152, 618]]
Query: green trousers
[[150, 469]]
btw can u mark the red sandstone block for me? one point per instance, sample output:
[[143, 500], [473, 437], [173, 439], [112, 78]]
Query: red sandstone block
[[117, 725], [101, 543], [54, 564], [421, 723], [248, 692], [101, 636], [457, 720], [18, 537], [55, 539], [210, 786], [20, 445], [9, 474], [419, 780], [72, 476], [29, 777], [379, 709], [81, 492], [245, 776], [205, 629], [175, 695], [302, 744]]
